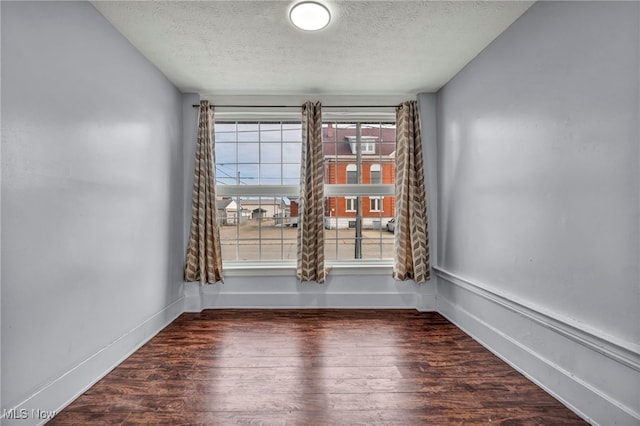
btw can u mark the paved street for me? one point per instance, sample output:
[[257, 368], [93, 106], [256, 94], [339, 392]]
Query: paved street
[[266, 241]]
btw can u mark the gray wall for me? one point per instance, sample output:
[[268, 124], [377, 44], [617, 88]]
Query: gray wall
[[92, 195], [540, 187], [539, 184]]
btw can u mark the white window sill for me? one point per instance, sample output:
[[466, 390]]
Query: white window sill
[[273, 269]]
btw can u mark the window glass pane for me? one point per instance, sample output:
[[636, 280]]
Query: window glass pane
[[228, 218], [247, 174], [388, 133], [374, 244], [377, 244], [270, 132], [248, 132], [224, 180], [291, 132], [257, 228], [226, 153], [291, 174], [330, 171], [291, 153], [226, 173], [270, 174], [341, 239], [270, 153], [339, 249], [388, 173], [225, 132], [271, 249], [258, 144], [248, 250], [228, 248], [248, 153], [377, 144]]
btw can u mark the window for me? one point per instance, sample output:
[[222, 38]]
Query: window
[[257, 180], [258, 174], [367, 144], [359, 162], [352, 174], [375, 174], [374, 204], [350, 204]]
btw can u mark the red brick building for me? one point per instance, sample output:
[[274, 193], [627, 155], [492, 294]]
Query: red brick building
[[377, 167]]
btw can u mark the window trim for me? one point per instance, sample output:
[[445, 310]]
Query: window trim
[[349, 201], [379, 202], [375, 168], [366, 190], [367, 143], [287, 267], [258, 190], [351, 168]]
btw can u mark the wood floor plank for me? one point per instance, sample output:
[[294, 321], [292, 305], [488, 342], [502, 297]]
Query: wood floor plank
[[320, 367]]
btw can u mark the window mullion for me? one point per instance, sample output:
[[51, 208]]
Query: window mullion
[[358, 239]]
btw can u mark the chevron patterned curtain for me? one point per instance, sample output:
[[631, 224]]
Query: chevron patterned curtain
[[204, 257], [311, 214], [411, 236]]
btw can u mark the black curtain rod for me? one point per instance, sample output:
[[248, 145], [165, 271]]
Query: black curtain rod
[[300, 106]]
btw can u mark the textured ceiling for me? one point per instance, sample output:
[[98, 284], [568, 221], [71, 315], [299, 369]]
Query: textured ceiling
[[249, 47]]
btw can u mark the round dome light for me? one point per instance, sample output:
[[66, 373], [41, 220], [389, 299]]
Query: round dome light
[[310, 16]]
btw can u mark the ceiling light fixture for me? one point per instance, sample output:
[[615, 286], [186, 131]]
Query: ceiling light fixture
[[310, 16]]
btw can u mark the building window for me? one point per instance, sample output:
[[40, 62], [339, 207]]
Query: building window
[[375, 204], [367, 144], [350, 204], [375, 176], [352, 174]]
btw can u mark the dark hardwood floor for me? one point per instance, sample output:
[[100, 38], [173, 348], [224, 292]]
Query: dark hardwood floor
[[314, 367]]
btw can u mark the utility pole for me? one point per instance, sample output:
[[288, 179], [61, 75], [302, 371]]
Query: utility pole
[[239, 208]]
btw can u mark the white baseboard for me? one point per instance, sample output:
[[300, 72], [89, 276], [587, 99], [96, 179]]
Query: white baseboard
[[595, 376], [59, 393], [343, 292], [274, 300]]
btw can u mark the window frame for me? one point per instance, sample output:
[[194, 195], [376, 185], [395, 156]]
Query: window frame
[[243, 189], [379, 208], [350, 206], [352, 174], [285, 267], [375, 168]]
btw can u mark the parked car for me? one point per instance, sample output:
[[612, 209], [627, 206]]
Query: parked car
[[391, 225]]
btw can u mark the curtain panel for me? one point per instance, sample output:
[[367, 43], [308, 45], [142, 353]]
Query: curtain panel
[[411, 243], [204, 257], [310, 245]]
